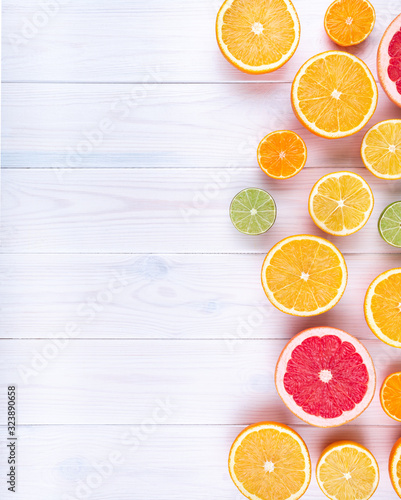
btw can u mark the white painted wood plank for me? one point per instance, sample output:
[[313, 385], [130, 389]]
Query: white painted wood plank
[[162, 211], [184, 461], [214, 126], [163, 297], [121, 382], [126, 41]]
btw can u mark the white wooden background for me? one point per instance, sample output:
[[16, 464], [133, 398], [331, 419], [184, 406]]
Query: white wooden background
[[132, 317]]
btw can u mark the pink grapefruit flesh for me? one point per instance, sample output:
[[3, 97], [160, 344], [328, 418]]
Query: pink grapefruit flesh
[[325, 376], [389, 61]]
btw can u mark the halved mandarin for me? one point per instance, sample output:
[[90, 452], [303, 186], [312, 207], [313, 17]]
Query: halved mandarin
[[281, 154], [390, 396], [349, 22]]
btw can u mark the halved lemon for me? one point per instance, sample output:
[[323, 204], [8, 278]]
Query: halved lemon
[[390, 396], [257, 36], [270, 461], [334, 94], [383, 307], [394, 467], [304, 275], [281, 154], [349, 22], [341, 203], [381, 149], [347, 470]]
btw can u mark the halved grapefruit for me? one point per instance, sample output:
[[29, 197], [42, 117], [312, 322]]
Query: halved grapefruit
[[389, 61], [325, 376]]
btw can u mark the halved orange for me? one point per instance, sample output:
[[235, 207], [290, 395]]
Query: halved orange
[[334, 94], [257, 36], [390, 396], [394, 467], [383, 307], [281, 154], [349, 22], [340, 203], [381, 149], [304, 275], [347, 471], [270, 461]]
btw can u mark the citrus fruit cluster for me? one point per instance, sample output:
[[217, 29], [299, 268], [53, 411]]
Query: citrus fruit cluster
[[325, 376]]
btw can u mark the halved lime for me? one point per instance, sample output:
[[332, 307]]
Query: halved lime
[[253, 211], [390, 224]]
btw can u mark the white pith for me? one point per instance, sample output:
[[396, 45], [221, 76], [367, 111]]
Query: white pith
[[315, 191], [269, 466], [325, 376], [311, 126], [294, 311], [264, 68], [368, 302], [289, 400], [257, 28], [280, 428]]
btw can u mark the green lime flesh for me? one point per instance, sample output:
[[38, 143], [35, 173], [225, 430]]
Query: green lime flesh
[[253, 211], [390, 224]]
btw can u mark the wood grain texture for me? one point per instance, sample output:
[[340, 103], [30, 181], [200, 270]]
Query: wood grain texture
[[122, 382], [182, 461], [164, 297], [163, 211], [126, 41], [132, 317], [106, 126]]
